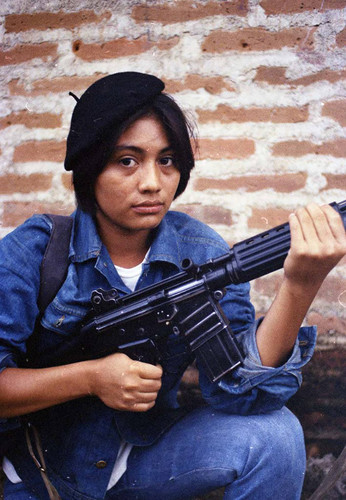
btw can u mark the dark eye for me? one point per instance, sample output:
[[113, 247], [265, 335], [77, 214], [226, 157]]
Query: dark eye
[[127, 162], [167, 161]]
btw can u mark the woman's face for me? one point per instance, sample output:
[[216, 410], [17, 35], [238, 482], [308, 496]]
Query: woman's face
[[137, 186]]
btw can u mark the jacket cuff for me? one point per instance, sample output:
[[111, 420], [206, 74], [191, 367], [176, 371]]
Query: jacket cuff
[[253, 388], [253, 373]]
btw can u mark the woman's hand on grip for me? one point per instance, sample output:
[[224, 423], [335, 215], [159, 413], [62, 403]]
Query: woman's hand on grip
[[124, 384]]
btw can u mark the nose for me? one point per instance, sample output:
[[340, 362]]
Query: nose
[[150, 177]]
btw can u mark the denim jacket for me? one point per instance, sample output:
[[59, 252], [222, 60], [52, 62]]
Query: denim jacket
[[80, 435]]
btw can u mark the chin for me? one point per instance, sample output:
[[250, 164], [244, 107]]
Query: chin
[[143, 226]]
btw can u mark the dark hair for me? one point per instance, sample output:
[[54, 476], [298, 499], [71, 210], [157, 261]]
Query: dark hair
[[179, 131]]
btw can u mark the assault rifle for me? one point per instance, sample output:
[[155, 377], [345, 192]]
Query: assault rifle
[[187, 305]]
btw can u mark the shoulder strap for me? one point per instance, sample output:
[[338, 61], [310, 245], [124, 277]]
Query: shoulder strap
[[55, 260]]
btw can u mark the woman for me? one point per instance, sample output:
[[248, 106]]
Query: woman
[[110, 427]]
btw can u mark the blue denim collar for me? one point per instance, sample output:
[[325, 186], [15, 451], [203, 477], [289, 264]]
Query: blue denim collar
[[86, 242], [165, 246]]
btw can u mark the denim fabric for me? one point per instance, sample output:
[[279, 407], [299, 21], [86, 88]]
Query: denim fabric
[[255, 457], [212, 449], [90, 430]]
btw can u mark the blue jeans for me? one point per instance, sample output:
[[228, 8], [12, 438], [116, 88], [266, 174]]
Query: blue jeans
[[258, 457]]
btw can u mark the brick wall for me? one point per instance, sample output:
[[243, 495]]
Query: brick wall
[[264, 81]]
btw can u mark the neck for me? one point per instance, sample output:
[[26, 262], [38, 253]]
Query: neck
[[126, 248]]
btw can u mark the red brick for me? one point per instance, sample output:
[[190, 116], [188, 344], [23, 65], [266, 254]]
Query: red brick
[[327, 324], [266, 218], [13, 183], [325, 75], [269, 285], [341, 38], [314, 418], [208, 214], [336, 148], [225, 148], [120, 48], [332, 291], [52, 20], [335, 181], [280, 183], [257, 39], [332, 288], [22, 53], [40, 151], [336, 110], [277, 8], [213, 85], [66, 179], [277, 76], [294, 148], [54, 85], [15, 212], [179, 12], [31, 120], [225, 114]]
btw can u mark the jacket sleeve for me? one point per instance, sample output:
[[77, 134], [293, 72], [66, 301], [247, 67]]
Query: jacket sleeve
[[21, 254], [252, 387]]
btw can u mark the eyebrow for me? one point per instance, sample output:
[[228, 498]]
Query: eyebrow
[[136, 149]]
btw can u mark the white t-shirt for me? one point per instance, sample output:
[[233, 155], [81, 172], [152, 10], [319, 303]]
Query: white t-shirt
[[130, 277]]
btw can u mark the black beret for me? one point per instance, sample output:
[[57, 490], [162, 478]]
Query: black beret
[[104, 105]]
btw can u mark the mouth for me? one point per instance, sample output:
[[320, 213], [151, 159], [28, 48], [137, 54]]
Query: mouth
[[148, 207]]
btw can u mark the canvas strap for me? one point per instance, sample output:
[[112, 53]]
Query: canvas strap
[[33, 441]]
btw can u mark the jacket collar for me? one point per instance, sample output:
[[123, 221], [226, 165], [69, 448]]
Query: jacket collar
[[165, 246], [86, 243]]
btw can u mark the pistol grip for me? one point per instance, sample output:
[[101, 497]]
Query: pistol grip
[[143, 350]]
